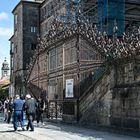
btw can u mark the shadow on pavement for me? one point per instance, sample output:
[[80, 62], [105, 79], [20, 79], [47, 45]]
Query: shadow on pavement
[[7, 131], [73, 129]]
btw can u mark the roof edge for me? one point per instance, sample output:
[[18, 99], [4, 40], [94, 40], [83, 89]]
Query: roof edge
[[24, 1]]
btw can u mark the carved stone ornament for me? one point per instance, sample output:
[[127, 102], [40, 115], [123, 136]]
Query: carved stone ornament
[[111, 48]]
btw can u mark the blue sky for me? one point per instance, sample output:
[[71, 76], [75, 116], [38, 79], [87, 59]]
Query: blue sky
[[6, 28]]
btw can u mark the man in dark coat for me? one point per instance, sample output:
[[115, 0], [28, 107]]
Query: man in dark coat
[[40, 110], [29, 106], [18, 112], [10, 109]]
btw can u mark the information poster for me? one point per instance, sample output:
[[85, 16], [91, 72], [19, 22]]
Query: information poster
[[69, 88]]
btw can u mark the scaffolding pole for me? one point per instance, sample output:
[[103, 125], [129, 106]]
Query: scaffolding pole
[[110, 11]]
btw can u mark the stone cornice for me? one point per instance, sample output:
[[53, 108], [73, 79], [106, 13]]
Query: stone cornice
[[110, 48], [113, 47]]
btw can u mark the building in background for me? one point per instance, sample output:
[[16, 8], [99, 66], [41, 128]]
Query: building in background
[[5, 70], [5, 80]]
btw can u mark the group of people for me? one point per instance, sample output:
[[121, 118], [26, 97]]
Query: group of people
[[18, 107]]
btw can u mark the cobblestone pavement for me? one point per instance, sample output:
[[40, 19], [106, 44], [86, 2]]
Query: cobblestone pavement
[[52, 131]]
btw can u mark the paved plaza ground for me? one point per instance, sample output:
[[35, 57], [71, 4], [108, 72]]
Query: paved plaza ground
[[59, 131]]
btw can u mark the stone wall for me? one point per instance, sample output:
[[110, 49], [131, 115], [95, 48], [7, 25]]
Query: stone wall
[[26, 28], [30, 28], [38, 76], [114, 101], [95, 107], [125, 108]]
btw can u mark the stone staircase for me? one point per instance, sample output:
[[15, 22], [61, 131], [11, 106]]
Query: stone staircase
[[87, 84], [94, 105]]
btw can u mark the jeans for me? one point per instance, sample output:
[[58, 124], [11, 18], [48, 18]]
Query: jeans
[[30, 117], [18, 117], [24, 118]]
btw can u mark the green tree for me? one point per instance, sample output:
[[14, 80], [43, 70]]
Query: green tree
[[3, 92]]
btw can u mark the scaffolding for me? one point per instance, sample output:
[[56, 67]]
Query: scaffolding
[[104, 13], [110, 12], [85, 10], [101, 12], [89, 10]]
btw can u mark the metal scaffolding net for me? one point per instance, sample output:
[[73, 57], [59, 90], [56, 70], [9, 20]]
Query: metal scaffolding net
[[69, 11], [110, 11], [104, 13]]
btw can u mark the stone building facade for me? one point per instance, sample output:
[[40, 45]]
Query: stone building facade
[[63, 62], [23, 42], [70, 52], [35, 17], [114, 100]]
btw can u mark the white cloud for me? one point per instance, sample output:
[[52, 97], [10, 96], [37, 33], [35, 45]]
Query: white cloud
[[3, 15], [6, 32]]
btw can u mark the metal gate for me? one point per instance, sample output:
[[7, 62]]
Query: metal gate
[[55, 109]]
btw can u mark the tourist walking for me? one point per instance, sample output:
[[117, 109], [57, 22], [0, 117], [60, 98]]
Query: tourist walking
[[5, 106], [18, 112], [40, 110], [10, 109], [30, 108], [24, 112]]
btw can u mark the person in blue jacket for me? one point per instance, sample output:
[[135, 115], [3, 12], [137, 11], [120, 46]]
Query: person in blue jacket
[[18, 112]]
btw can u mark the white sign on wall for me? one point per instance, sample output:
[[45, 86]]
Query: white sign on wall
[[69, 88]]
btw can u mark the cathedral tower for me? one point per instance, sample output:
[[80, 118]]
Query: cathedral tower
[[5, 69]]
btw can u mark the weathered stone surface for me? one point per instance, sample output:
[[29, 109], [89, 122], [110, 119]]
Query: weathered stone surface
[[112, 106]]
